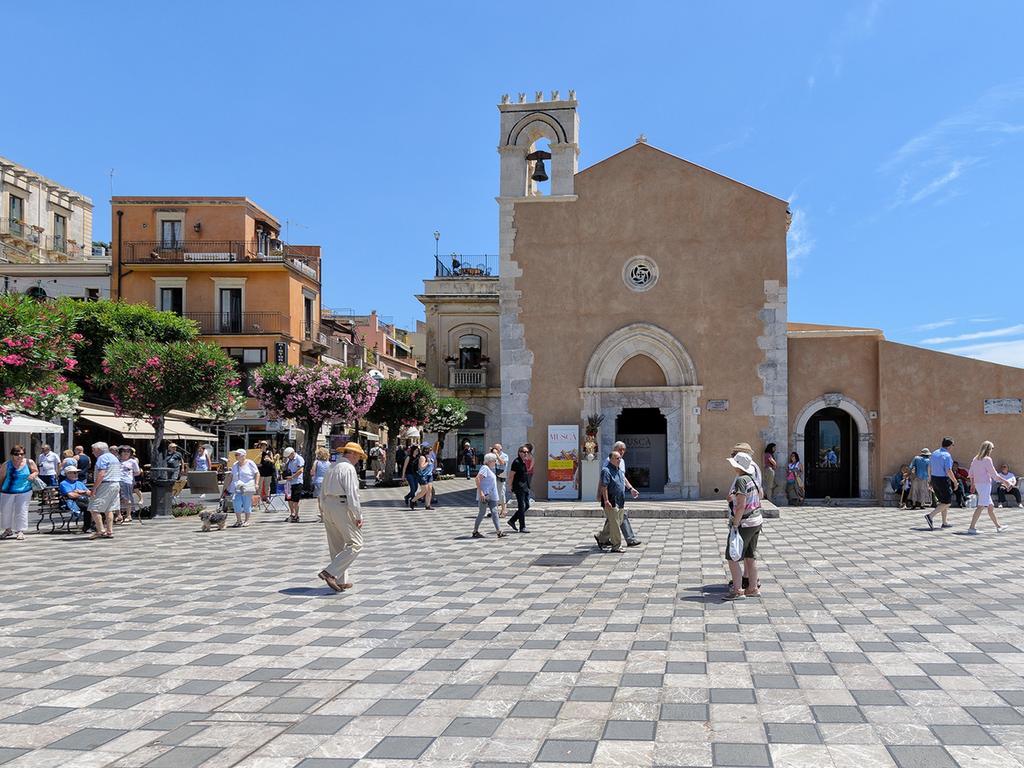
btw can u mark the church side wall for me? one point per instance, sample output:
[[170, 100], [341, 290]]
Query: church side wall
[[715, 243], [926, 395]]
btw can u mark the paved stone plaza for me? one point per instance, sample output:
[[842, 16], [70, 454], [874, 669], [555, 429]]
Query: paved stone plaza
[[876, 643]]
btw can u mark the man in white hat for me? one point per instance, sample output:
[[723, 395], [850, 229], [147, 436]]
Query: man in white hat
[[343, 517]]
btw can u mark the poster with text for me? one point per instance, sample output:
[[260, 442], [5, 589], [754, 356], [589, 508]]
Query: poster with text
[[563, 461]]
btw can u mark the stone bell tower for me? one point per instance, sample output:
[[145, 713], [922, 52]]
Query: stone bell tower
[[523, 125]]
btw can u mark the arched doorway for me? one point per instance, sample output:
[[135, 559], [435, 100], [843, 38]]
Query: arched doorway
[[644, 430], [831, 440]]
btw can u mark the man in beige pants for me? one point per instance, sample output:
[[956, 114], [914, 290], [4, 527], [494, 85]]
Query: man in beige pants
[[343, 518]]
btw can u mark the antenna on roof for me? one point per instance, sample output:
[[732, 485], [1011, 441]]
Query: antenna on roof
[[288, 224], [111, 182]]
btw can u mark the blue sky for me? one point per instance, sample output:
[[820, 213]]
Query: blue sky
[[896, 130]]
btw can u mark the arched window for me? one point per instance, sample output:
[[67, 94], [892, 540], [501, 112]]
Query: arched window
[[469, 351]]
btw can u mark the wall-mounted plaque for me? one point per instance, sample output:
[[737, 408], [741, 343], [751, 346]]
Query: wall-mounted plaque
[[718, 405], [1003, 405]]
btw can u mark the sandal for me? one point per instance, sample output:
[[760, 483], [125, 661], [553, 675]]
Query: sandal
[[734, 594], [97, 536], [751, 593]]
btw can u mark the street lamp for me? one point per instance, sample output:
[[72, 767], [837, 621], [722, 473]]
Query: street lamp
[[437, 240]]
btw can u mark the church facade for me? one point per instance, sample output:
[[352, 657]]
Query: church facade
[[653, 292]]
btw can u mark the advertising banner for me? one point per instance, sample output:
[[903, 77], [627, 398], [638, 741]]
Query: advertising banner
[[563, 461]]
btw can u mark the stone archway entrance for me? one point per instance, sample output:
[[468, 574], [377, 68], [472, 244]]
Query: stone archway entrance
[[675, 401], [644, 431], [839, 409]]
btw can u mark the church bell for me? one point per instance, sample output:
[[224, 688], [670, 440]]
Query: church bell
[[539, 174]]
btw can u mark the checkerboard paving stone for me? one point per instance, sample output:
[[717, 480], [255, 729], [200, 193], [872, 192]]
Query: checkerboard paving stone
[[897, 647]]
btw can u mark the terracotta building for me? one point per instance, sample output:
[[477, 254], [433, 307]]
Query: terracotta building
[[388, 347], [221, 262], [654, 292]]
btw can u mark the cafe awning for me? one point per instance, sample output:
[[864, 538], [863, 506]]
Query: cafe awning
[[373, 436], [138, 429], [30, 426]]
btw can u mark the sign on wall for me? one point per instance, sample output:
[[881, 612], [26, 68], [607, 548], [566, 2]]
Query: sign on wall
[[563, 461], [280, 353], [1003, 405], [718, 405]]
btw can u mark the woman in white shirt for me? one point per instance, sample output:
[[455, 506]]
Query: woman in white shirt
[[130, 469], [244, 477]]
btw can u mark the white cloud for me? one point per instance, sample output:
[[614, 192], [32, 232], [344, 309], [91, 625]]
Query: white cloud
[[981, 320], [1003, 352], [956, 142], [1011, 330], [799, 241], [937, 324], [954, 172]]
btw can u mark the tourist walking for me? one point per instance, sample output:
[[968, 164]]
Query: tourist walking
[[130, 470], [267, 471], [943, 482], [519, 483], [1012, 488], [612, 494], [409, 465], [920, 490], [487, 496], [245, 475], [529, 468], [292, 474], [983, 474], [106, 491], [16, 476], [769, 467], [48, 463], [794, 480], [500, 467], [75, 496], [424, 479], [343, 517], [626, 526], [745, 517]]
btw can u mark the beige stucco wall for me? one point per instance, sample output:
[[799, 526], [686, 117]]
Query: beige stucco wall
[[715, 242], [926, 395]]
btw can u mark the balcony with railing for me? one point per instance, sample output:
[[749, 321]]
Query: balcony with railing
[[216, 252], [461, 265], [240, 323], [25, 243], [467, 378]]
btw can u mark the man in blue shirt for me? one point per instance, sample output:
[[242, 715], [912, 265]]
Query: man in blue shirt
[[612, 493], [75, 494], [944, 482], [920, 491], [626, 527]]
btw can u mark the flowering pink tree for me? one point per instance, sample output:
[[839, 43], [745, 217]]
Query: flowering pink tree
[[148, 379], [37, 348], [312, 396]]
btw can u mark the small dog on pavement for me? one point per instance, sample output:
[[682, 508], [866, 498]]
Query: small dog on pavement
[[211, 519]]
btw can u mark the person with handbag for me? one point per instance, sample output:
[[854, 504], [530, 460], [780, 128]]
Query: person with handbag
[[244, 477], [19, 476], [745, 522]]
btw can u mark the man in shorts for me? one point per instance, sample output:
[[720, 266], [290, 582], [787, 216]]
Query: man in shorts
[[944, 482], [106, 491]]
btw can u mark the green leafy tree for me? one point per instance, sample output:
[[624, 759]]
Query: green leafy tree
[[101, 322], [148, 379], [402, 403], [449, 414], [312, 396], [37, 347]]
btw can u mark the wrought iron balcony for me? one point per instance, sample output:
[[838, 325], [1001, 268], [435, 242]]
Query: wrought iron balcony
[[218, 252], [467, 378], [245, 323], [466, 266]]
